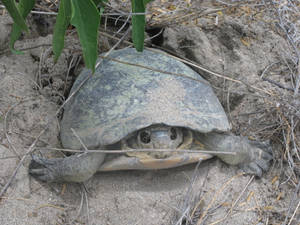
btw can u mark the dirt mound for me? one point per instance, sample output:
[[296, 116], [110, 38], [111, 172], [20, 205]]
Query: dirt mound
[[33, 87]]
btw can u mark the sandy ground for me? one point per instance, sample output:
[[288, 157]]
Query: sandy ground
[[32, 89]]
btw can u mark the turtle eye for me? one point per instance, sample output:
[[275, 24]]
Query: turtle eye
[[173, 134], [145, 137]]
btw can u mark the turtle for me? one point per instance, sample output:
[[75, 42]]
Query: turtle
[[142, 102]]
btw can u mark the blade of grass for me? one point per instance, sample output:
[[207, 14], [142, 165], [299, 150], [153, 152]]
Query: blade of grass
[[62, 22], [138, 23], [24, 7], [86, 19], [13, 11], [100, 2]]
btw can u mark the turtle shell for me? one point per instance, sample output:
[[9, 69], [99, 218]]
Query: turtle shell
[[121, 98]]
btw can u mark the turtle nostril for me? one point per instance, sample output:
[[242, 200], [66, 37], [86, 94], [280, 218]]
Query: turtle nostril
[[173, 135], [145, 137]]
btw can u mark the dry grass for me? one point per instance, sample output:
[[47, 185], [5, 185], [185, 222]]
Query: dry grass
[[282, 103]]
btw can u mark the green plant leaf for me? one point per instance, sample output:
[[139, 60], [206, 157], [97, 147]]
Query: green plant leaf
[[86, 19], [97, 2], [146, 1], [62, 22], [138, 24], [24, 7], [13, 11]]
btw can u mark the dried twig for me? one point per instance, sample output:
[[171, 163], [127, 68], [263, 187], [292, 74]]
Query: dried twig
[[235, 202], [190, 63], [190, 197], [295, 211], [215, 197], [120, 151], [12, 147], [29, 150], [284, 9], [154, 69], [87, 205], [79, 139], [80, 206], [291, 205], [31, 147]]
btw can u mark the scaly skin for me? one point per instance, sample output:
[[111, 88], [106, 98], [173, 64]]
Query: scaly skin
[[80, 167], [134, 97], [75, 168], [253, 157]]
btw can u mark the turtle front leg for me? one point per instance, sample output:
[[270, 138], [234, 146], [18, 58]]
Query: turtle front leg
[[75, 168], [251, 156]]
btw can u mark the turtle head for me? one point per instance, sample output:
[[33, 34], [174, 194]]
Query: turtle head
[[159, 137]]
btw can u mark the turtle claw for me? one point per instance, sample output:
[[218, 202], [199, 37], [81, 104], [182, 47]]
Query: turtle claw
[[43, 161], [75, 168], [42, 175], [252, 169], [46, 170], [261, 155], [263, 164]]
